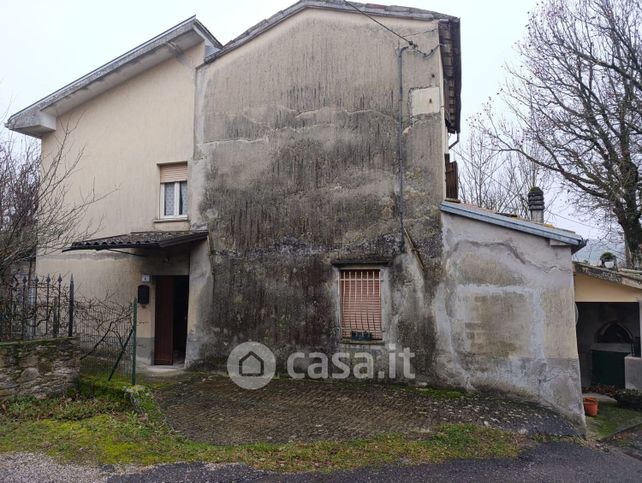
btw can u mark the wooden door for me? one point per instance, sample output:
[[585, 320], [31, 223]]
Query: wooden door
[[164, 327]]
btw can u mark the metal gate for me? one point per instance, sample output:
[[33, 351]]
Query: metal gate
[[107, 332]]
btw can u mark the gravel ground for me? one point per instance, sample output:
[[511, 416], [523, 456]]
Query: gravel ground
[[26, 467], [562, 462]]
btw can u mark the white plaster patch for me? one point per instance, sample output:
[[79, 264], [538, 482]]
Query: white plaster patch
[[425, 101]]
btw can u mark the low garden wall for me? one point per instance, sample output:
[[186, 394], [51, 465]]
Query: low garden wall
[[38, 368]]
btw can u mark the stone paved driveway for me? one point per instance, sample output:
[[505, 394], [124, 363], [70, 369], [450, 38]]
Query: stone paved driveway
[[210, 408]]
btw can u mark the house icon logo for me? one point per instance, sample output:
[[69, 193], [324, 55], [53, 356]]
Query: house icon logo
[[251, 365]]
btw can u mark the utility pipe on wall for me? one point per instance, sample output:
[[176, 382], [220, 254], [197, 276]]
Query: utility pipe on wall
[[402, 231]]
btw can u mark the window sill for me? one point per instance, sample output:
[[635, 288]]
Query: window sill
[[362, 342], [171, 220]]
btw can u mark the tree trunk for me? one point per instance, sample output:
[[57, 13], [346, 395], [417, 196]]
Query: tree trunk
[[632, 231]]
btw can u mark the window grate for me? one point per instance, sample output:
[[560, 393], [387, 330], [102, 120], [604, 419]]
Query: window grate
[[360, 302]]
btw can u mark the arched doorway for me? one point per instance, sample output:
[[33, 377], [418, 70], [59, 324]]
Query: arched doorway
[[613, 333]]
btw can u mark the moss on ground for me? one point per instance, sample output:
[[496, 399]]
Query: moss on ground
[[611, 419], [100, 425]]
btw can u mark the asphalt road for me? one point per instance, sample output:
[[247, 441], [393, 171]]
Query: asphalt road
[[548, 462]]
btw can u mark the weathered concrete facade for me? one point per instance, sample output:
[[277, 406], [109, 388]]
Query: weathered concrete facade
[[296, 135], [505, 315]]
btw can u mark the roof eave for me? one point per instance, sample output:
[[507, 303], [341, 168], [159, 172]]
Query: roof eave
[[35, 121], [450, 39], [370, 9], [575, 242]]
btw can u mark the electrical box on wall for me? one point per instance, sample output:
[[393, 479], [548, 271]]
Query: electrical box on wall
[[143, 294]]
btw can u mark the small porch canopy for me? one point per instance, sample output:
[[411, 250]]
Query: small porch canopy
[[140, 239]]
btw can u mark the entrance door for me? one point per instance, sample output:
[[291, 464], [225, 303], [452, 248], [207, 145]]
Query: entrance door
[[170, 332]]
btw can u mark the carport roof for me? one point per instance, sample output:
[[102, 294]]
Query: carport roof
[[629, 278], [139, 239]]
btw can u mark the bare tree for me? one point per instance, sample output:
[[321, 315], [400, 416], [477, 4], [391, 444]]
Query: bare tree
[[494, 179], [36, 211], [575, 107]]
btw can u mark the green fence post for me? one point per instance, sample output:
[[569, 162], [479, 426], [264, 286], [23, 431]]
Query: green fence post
[[134, 342]]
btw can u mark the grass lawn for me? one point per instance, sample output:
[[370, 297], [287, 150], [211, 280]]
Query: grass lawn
[[99, 425], [611, 419]]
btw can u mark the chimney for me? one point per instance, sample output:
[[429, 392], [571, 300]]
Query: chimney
[[536, 204]]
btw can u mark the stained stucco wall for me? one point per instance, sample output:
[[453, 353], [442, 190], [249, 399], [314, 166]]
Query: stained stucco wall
[[120, 137], [296, 141], [505, 315]]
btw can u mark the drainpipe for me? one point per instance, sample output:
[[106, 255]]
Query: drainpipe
[[402, 240]]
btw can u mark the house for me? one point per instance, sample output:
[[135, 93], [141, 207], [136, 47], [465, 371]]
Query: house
[[608, 325], [291, 188]]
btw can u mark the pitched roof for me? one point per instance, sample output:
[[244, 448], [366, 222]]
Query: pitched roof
[[487, 216], [139, 239], [40, 117], [449, 38]]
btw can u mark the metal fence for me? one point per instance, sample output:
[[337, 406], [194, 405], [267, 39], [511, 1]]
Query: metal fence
[[36, 309], [45, 307], [107, 331]]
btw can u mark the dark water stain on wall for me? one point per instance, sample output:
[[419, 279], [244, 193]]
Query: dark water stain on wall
[[304, 172]]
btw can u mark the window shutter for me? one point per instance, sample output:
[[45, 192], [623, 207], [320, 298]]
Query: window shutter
[[360, 302], [170, 173]]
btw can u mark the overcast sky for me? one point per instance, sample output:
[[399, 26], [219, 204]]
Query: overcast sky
[[47, 44]]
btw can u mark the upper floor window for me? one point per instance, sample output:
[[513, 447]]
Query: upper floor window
[[173, 193]]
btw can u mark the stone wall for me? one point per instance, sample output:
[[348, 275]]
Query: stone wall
[[38, 368]]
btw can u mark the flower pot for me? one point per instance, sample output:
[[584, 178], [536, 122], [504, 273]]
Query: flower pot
[[590, 406]]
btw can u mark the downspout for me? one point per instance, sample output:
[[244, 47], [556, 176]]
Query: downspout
[[402, 231]]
